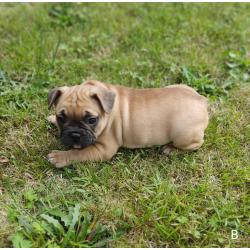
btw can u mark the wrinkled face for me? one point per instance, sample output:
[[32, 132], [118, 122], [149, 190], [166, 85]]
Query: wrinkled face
[[80, 113], [78, 131]]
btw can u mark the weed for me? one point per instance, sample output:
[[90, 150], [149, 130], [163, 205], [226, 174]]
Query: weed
[[64, 15], [55, 228], [238, 65], [203, 83]]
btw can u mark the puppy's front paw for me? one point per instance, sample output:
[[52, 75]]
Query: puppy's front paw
[[52, 119], [59, 158]]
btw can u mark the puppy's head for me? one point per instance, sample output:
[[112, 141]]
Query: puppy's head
[[82, 112]]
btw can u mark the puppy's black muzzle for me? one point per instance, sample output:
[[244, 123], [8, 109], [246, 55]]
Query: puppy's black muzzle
[[75, 137]]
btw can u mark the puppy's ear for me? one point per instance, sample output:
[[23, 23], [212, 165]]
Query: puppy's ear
[[105, 97], [54, 95]]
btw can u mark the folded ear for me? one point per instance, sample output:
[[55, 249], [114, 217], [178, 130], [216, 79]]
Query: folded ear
[[105, 97], [54, 95]]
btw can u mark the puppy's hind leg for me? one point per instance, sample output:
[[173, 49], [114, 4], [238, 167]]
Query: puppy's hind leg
[[168, 149], [192, 146], [190, 141]]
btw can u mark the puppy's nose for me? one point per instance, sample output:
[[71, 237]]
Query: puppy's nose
[[75, 135]]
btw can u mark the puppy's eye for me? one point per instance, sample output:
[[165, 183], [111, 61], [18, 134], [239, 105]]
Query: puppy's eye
[[92, 120], [61, 118]]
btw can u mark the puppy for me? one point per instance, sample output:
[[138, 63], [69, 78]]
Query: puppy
[[96, 119]]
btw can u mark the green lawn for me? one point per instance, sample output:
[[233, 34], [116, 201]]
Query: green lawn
[[140, 198]]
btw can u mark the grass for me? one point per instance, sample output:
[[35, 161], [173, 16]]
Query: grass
[[140, 198]]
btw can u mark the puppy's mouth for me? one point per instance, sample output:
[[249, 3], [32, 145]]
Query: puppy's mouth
[[77, 139]]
